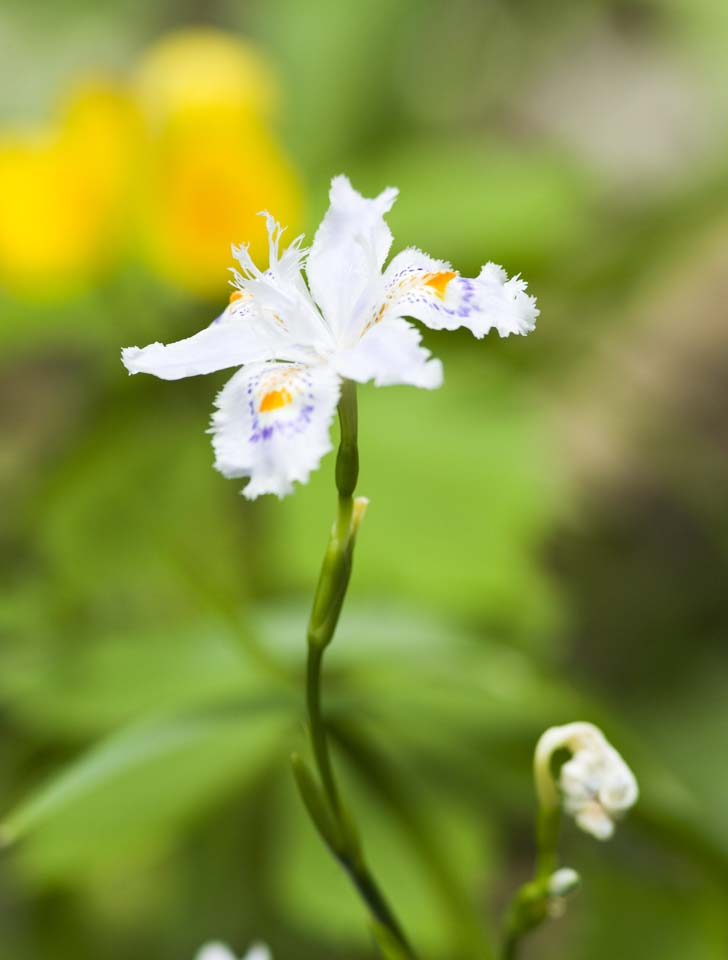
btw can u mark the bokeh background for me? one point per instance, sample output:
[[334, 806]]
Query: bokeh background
[[548, 534]]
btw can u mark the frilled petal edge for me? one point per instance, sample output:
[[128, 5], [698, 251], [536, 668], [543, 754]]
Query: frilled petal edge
[[430, 290], [272, 424]]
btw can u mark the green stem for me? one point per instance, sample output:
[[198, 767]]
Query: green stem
[[317, 728], [547, 840], [510, 947], [529, 907], [328, 601], [347, 458]]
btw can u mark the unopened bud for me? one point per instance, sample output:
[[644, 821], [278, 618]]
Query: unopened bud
[[595, 786], [218, 951], [563, 882], [560, 884]]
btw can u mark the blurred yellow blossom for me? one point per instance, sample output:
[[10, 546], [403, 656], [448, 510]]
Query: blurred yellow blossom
[[212, 162], [170, 169], [206, 72], [63, 190], [204, 188]]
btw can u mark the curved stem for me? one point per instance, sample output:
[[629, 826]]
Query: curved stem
[[328, 600], [547, 840], [530, 904]]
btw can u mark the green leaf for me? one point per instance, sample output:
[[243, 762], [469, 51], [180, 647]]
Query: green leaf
[[139, 522], [390, 948], [393, 657], [82, 690], [129, 796]]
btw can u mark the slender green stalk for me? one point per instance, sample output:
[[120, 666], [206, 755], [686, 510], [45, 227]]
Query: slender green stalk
[[531, 904], [547, 841], [317, 728], [347, 459], [528, 909], [328, 812]]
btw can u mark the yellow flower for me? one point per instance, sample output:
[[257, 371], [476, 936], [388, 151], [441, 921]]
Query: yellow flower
[[173, 168], [205, 186], [203, 71], [212, 162], [63, 194]]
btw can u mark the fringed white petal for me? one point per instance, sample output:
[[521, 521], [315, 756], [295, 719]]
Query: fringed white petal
[[431, 291], [272, 424], [390, 353], [345, 262], [503, 304], [240, 335], [280, 292]]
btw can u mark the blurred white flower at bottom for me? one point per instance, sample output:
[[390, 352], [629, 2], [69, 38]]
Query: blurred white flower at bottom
[[218, 951]]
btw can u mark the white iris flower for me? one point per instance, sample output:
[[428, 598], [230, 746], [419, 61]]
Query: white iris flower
[[597, 787], [295, 342], [218, 951]]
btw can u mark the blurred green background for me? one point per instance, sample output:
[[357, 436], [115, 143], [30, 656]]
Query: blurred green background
[[548, 534]]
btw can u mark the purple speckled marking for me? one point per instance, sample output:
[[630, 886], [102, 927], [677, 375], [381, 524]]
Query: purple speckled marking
[[285, 427], [465, 305], [239, 308]]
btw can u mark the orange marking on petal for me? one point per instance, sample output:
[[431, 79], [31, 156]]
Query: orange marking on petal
[[236, 295], [275, 399], [439, 281]]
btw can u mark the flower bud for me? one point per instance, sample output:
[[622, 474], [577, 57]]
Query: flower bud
[[560, 884], [596, 785], [218, 951], [563, 882]]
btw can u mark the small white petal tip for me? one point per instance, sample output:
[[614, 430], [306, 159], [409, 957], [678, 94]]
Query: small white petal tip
[[563, 882], [218, 951]]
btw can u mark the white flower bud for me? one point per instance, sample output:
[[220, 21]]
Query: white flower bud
[[563, 882], [596, 785], [218, 951]]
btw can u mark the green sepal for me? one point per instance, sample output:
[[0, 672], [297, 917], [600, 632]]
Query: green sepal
[[316, 804]]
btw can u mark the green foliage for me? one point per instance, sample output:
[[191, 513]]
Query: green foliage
[[131, 794], [153, 622]]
